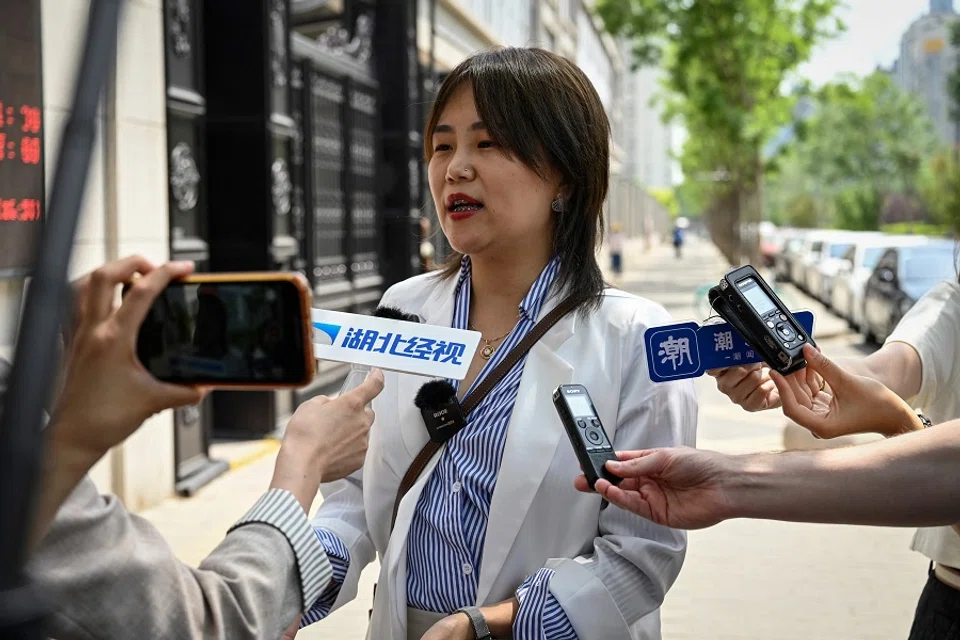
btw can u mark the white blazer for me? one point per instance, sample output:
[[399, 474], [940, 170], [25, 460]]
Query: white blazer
[[612, 568]]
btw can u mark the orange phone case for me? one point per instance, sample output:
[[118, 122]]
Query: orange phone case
[[303, 288]]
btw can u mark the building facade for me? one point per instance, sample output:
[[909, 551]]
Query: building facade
[[269, 135], [926, 61]]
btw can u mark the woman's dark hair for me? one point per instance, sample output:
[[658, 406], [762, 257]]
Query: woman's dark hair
[[542, 109]]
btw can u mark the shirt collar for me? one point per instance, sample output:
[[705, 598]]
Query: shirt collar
[[539, 292]]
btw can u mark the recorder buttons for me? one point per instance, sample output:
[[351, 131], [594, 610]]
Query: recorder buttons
[[582, 424], [786, 332], [594, 436], [594, 423]]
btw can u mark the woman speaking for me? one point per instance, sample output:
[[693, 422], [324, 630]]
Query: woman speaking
[[492, 537]]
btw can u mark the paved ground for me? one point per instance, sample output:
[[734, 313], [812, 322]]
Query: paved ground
[[741, 579]]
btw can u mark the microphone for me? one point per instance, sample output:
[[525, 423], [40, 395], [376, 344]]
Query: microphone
[[358, 372], [441, 411]]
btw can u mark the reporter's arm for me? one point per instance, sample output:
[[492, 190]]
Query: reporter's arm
[[110, 574], [911, 480], [896, 364]]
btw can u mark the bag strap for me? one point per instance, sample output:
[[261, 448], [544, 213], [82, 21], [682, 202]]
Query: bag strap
[[478, 394]]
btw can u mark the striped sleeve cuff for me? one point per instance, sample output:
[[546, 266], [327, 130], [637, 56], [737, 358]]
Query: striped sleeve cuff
[[339, 557], [540, 616], [279, 509]]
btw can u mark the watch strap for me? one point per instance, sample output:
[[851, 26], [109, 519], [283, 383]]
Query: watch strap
[[480, 629]]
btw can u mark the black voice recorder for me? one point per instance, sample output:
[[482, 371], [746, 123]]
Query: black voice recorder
[[749, 305], [586, 434]]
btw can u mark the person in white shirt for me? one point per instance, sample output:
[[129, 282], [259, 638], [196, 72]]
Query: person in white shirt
[[917, 362]]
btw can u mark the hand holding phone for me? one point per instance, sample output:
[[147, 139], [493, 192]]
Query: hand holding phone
[[586, 433], [230, 330]]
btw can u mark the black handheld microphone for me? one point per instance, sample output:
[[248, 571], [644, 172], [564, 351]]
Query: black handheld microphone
[[441, 411]]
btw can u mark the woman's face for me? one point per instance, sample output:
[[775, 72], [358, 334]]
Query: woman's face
[[487, 202]]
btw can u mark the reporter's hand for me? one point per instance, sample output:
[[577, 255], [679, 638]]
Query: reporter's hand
[[749, 386], [847, 403], [679, 487], [107, 393], [326, 440]]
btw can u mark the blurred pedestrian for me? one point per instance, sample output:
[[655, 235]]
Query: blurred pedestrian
[[678, 233], [615, 244]]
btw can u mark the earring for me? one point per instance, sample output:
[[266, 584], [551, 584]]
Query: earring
[[557, 204]]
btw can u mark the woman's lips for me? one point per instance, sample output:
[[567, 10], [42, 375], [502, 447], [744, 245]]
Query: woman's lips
[[462, 214]]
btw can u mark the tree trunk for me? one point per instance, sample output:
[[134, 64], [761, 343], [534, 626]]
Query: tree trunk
[[723, 221]]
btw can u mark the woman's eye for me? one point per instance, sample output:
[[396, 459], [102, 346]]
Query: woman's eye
[[486, 144], [441, 147]]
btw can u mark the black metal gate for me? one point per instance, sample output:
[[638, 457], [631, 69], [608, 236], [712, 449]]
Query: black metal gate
[[335, 159]]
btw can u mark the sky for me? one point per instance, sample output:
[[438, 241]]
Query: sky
[[874, 28]]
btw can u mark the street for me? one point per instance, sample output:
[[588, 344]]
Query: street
[[741, 579]]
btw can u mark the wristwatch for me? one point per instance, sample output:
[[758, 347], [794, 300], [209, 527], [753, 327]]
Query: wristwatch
[[480, 629], [924, 420]]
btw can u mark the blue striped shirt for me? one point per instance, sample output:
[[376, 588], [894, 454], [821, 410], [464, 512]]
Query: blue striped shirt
[[445, 541]]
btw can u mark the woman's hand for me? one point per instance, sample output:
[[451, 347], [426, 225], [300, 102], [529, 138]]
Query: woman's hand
[[845, 404], [454, 627]]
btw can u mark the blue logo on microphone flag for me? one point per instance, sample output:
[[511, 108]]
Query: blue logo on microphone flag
[[325, 333]]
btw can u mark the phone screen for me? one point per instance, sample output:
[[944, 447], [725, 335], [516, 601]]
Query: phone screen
[[759, 300], [225, 332]]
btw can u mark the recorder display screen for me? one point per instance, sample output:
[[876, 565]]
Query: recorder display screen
[[759, 300], [231, 331], [579, 404]]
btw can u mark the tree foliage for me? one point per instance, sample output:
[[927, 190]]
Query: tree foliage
[[667, 198], [860, 155], [940, 189], [725, 63], [867, 132]]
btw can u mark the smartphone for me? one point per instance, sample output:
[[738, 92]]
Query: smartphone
[[231, 331], [586, 433]]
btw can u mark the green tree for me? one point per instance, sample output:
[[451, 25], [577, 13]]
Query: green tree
[[868, 139], [725, 64], [668, 198], [940, 189]]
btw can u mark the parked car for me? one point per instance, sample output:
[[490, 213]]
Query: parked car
[[819, 275], [846, 296], [783, 265], [771, 243], [809, 255], [902, 276]]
